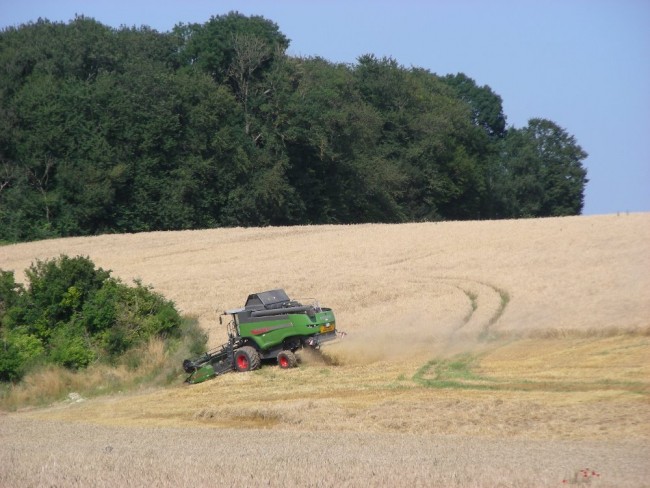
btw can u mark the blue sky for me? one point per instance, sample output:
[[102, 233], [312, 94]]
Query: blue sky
[[584, 64]]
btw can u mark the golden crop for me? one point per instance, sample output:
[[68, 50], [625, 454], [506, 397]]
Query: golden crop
[[502, 331]]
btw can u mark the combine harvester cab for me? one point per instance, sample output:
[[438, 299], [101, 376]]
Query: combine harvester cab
[[269, 326]]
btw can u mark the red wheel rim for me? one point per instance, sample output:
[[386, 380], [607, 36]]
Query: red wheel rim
[[284, 361], [242, 361]]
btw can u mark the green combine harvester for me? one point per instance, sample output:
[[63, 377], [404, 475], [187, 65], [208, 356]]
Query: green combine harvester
[[270, 326]]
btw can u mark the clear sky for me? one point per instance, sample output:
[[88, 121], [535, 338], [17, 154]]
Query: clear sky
[[584, 64]]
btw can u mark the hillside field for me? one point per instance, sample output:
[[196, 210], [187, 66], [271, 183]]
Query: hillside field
[[495, 353]]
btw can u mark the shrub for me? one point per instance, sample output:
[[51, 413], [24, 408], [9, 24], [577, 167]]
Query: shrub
[[58, 288], [69, 348], [9, 291], [73, 314], [30, 348], [100, 310], [10, 362]]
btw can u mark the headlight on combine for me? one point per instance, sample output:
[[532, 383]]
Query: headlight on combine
[[328, 327]]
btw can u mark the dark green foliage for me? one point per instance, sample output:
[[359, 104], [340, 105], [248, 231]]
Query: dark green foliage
[[486, 106], [11, 364], [72, 314], [216, 46], [542, 171], [68, 347], [122, 130], [9, 291]]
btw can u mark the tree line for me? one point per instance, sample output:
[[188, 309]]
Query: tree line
[[106, 130]]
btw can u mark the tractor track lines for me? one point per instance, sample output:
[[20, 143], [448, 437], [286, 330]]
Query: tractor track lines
[[479, 294], [476, 324], [476, 292]]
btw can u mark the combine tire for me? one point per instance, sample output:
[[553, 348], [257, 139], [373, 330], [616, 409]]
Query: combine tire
[[247, 359], [287, 359]]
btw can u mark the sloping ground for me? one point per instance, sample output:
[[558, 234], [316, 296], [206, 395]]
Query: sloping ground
[[414, 280], [498, 332], [471, 394]]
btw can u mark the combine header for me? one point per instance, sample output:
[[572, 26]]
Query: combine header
[[270, 326]]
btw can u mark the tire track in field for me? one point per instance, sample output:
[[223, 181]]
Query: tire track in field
[[476, 325], [478, 292], [478, 321]]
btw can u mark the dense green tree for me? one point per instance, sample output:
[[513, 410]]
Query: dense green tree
[[231, 45], [427, 132], [125, 130], [486, 106], [542, 173]]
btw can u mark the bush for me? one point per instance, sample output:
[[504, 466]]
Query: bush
[[59, 288], [69, 348], [30, 348], [73, 314], [100, 310], [9, 291], [144, 313], [10, 362]]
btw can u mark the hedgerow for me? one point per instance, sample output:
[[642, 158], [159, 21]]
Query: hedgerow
[[73, 314]]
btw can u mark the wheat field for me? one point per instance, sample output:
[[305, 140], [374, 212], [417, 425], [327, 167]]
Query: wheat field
[[507, 353]]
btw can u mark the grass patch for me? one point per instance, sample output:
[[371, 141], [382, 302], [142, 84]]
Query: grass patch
[[454, 373], [551, 366]]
